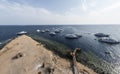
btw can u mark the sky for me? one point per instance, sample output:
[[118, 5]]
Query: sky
[[52, 12]]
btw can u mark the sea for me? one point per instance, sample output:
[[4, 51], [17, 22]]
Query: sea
[[88, 42]]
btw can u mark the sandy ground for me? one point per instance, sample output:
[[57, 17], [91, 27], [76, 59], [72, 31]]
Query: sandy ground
[[23, 55]]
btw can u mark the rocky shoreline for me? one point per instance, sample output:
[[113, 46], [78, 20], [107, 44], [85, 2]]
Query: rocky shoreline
[[23, 55], [87, 58]]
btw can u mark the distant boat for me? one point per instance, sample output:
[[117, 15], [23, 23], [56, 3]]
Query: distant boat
[[47, 30], [57, 31], [38, 30], [71, 36], [78, 35], [0, 43], [60, 29], [42, 31], [53, 28], [101, 35], [21, 33], [108, 40], [52, 33]]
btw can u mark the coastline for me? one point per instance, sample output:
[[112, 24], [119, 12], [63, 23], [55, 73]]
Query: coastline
[[86, 59], [23, 53]]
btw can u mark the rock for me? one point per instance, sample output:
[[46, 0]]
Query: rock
[[17, 56], [39, 72]]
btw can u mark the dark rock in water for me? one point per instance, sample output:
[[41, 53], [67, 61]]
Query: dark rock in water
[[107, 52], [109, 41], [101, 35]]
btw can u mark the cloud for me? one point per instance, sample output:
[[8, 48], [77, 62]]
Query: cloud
[[110, 9], [15, 13], [95, 13], [23, 14], [84, 5]]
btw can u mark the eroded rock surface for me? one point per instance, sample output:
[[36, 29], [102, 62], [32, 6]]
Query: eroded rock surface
[[23, 55]]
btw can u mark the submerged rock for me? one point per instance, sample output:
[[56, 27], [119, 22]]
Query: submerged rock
[[106, 52]]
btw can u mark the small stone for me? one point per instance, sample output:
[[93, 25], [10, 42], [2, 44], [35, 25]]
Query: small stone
[[19, 55], [39, 72]]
